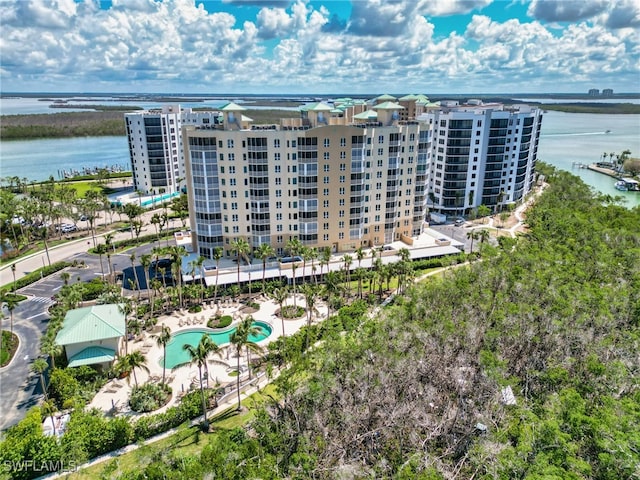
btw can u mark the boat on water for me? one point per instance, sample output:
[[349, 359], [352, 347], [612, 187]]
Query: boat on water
[[608, 131], [621, 185]]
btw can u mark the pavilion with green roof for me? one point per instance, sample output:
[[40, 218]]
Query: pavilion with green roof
[[92, 335]]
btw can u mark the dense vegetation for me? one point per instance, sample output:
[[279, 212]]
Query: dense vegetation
[[594, 107], [95, 124], [416, 392]]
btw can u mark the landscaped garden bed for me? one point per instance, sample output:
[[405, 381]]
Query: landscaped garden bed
[[149, 397]]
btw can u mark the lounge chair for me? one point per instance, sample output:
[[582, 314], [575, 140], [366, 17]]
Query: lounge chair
[[180, 323]]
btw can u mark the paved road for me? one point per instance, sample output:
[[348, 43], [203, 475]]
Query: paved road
[[19, 388]]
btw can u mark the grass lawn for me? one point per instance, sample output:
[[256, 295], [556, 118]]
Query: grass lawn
[[187, 441]]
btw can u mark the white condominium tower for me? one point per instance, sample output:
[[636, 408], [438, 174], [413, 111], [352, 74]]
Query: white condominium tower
[[352, 174], [483, 154], [155, 146]]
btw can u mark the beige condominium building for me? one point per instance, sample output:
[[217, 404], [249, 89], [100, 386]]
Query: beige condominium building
[[353, 173]]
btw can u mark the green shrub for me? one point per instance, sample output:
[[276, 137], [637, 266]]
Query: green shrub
[[63, 386], [292, 311], [220, 322], [195, 308], [149, 397]]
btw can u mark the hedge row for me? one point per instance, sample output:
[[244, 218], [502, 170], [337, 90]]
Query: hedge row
[[36, 275]]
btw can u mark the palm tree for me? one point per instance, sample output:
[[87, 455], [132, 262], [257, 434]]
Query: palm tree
[[199, 355], [310, 297], [11, 303], [108, 241], [216, 254], [128, 364], [263, 252], [280, 295], [483, 235], [100, 249], [40, 366], [360, 256], [347, 260], [199, 263], [132, 257], [65, 276], [49, 347], [325, 258], [473, 235], [241, 247], [162, 339], [294, 246], [145, 261], [240, 339]]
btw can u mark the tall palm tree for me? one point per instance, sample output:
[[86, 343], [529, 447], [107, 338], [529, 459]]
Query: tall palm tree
[[49, 347], [11, 303], [132, 257], [198, 355], [294, 246], [473, 235], [145, 261], [199, 262], [310, 297], [240, 339], [279, 295], [325, 258], [100, 249], [263, 252], [40, 366], [241, 247], [483, 235], [360, 256], [216, 254], [162, 339], [347, 260]]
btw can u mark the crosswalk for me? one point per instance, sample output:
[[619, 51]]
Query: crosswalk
[[43, 300]]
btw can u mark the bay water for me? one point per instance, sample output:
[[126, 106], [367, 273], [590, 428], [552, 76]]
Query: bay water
[[566, 140]]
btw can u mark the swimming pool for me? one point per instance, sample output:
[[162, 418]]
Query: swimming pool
[[177, 355]]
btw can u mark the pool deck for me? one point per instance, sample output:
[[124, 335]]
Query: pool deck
[[115, 394]]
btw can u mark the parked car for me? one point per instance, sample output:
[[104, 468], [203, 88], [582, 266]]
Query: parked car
[[459, 222]]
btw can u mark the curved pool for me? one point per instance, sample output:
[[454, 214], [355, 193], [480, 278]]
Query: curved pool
[[177, 355]]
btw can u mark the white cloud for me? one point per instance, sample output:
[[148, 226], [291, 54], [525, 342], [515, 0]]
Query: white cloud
[[176, 45], [566, 10]]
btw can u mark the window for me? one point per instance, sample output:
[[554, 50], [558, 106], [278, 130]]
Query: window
[[341, 213], [341, 224], [279, 227], [325, 237], [325, 226], [278, 204], [325, 180], [278, 193], [325, 214], [377, 218], [277, 168], [381, 152], [343, 142], [326, 155], [325, 203], [325, 192], [326, 143], [380, 138], [221, 169], [230, 143], [278, 181], [343, 155], [343, 167], [342, 179], [341, 202], [236, 229], [234, 205], [341, 191], [232, 157], [341, 235], [326, 168], [276, 143], [278, 217], [276, 157]]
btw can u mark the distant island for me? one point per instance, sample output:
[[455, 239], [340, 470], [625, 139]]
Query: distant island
[[107, 120]]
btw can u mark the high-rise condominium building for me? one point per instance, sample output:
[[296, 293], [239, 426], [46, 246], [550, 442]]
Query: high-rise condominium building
[[155, 146], [483, 154], [353, 174]]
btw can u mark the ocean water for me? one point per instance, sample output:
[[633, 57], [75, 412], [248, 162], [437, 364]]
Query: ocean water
[[567, 139]]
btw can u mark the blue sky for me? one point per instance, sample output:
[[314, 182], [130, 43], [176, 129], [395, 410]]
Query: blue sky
[[312, 46]]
